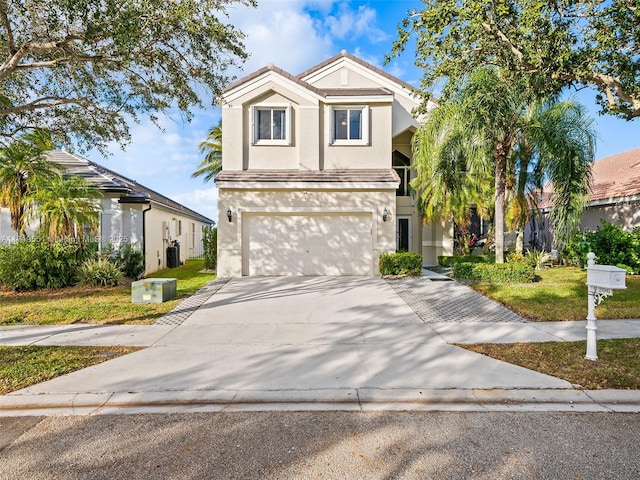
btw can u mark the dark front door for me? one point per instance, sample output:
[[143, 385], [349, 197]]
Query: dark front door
[[403, 235]]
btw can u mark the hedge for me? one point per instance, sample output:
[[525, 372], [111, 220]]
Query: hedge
[[401, 263], [495, 272], [448, 261]]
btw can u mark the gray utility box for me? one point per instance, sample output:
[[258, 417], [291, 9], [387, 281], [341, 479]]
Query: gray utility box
[[153, 290]]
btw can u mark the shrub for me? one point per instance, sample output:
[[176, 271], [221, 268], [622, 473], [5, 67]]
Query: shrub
[[131, 262], [611, 244], [495, 272], [401, 263], [31, 264], [464, 271], [448, 261], [128, 259], [538, 259], [210, 245], [515, 257], [99, 272]]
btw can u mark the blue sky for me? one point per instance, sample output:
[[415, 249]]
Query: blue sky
[[294, 35]]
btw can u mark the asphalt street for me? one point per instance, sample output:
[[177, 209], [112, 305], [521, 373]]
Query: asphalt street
[[329, 445]]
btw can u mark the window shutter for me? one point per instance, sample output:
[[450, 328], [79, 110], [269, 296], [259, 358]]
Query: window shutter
[[288, 126], [330, 133], [365, 125], [253, 118]]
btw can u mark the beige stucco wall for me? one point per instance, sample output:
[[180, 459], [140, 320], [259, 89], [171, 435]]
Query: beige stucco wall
[[310, 148], [344, 77], [437, 239], [242, 201], [377, 154], [624, 214]]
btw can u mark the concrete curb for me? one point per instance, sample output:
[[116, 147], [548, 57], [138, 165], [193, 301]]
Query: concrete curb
[[363, 399]]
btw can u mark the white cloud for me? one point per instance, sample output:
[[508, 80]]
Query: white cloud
[[282, 33], [204, 201], [351, 24]]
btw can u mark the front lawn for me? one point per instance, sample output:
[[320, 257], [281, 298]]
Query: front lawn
[[105, 305], [618, 364], [561, 294], [21, 367]]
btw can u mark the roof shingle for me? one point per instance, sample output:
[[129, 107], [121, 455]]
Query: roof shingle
[[109, 181], [312, 176], [616, 176]]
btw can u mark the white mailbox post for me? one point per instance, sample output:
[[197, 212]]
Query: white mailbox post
[[601, 281]]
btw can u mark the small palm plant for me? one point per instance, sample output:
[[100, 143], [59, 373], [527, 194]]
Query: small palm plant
[[65, 205], [211, 164], [538, 259]]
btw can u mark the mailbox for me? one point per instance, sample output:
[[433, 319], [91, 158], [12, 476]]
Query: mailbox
[[602, 280], [606, 276]]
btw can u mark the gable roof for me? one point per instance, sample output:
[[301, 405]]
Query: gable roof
[[272, 68], [345, 54], [324, 93], [109, 181], [616, 176]]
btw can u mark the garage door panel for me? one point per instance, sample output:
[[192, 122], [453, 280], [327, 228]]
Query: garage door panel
[[322, 244]]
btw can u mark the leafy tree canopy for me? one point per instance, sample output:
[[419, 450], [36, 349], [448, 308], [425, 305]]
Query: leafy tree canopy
[[558, 43], [79, 68]]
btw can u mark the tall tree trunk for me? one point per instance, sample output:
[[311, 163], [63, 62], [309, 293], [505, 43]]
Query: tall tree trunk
[[500, 155]]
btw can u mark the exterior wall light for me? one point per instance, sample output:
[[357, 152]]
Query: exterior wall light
[[229, 214], [385, 214]]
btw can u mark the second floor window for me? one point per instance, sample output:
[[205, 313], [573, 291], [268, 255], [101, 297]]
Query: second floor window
[[271, 125], [349, 125]]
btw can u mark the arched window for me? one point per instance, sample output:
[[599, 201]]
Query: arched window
[[402, 165]]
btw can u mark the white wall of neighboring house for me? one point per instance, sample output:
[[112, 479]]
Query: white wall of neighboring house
[[8, 234], [165, 226], [122, 224]]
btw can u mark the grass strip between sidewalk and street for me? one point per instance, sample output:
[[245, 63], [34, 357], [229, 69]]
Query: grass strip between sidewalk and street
[[23, 366], [98, 305], [617, 367]]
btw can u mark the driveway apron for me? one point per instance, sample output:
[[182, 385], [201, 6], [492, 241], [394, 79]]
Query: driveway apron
[[302, 334]]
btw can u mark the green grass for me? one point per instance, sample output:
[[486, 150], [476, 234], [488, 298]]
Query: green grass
[[97, 305], [24, 366], [618, 364], [561, 294]]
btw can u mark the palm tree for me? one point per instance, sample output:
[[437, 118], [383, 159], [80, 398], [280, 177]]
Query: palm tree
[[65, 204], [211, 164], [486, 134], [567, 143], [23, 167], [556, 146]]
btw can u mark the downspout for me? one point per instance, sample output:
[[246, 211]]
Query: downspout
[[144, 236]]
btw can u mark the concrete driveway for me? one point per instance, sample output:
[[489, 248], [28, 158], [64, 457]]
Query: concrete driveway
[[294, 339]]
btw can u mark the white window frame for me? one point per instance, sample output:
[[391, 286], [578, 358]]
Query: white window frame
[[255, 127], [365, 125]]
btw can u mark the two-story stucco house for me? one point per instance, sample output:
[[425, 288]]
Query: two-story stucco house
[[315, 173]]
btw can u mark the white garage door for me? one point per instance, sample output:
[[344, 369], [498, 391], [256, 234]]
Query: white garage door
[[307, 244]]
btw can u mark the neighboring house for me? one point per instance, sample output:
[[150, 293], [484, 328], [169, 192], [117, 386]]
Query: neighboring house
[[615, 192], [614, 196], [315, 173], [131, 213]]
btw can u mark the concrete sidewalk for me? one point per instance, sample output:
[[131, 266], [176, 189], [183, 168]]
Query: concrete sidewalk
[[309, 343]]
